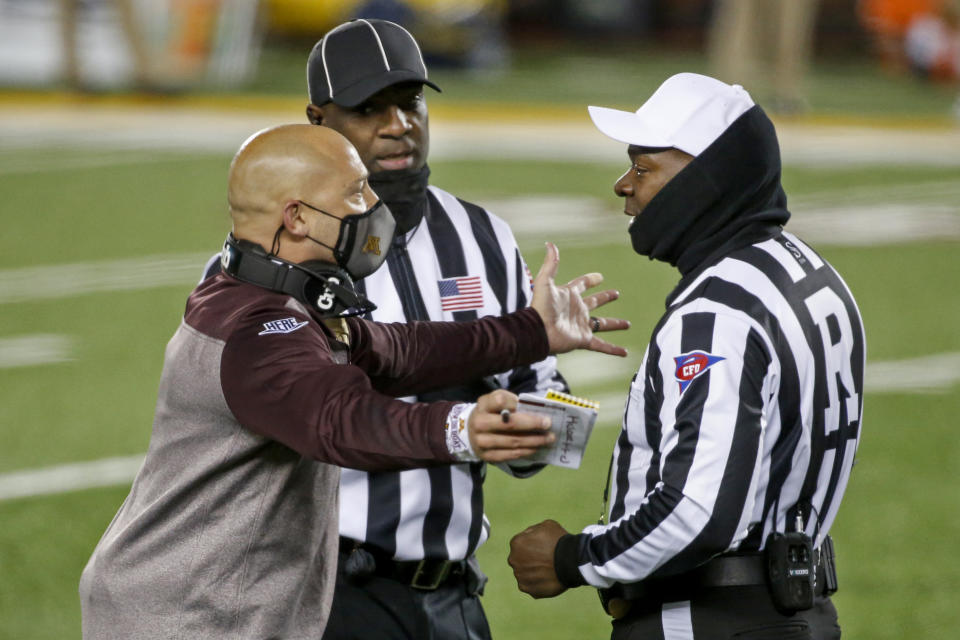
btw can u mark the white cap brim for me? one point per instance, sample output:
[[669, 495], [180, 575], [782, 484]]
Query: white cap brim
[[626, 127]]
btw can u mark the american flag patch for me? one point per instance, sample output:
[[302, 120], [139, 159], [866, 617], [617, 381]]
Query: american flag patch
[[461, 294]]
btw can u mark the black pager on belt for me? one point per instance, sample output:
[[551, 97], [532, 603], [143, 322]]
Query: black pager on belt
[[791, 571]]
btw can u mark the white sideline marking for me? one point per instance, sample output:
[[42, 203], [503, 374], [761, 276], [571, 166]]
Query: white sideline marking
[[941, 191], [867, 225], [41, 348], [580, 221], [928, 374], [64, 280], [166, 127], [914, 375], [10, 166], [586, 221], [587, 368], [106, 472]]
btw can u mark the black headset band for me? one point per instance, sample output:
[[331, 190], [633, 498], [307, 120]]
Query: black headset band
[[326, 288]]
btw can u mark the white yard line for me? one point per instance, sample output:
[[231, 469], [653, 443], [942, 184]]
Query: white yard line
[[222, 131], [107, 472], [131, 274], [927, 191], [575, 221], [585, 221], [914, 375], [10, 166], [874, 224], [30, 350], [927, 374]]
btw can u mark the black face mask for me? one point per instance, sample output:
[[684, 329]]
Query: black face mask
[[363, 241], [406, 193]]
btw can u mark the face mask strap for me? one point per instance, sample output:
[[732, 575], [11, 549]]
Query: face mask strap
[[326, 213], [346, 218], [348, 230], [336, 253], [275, 245]]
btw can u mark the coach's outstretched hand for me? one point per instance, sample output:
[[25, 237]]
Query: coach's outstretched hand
[[565, 311]]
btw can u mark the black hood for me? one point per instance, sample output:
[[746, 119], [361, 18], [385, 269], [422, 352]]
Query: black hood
[[728, 196], [405, 192]]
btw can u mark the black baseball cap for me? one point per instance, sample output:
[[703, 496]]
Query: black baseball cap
[[358, 58]]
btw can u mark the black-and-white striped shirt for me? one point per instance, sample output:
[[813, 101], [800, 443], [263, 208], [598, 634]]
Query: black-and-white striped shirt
[[459, 263], [747, 404], [438, 512]]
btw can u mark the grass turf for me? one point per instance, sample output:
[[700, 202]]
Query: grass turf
[[894, 532]]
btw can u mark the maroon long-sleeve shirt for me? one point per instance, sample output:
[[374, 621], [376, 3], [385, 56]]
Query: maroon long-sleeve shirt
[[294, 387]]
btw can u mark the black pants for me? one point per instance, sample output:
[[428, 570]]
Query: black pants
[[382, 608], [726, 613]]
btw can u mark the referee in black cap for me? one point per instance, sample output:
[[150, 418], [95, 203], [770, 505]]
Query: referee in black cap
[[407, 567]]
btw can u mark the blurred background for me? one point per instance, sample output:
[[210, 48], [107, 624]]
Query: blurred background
[[118, 119]]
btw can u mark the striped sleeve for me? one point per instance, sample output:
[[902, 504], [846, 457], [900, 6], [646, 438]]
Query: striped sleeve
[[699, 405]]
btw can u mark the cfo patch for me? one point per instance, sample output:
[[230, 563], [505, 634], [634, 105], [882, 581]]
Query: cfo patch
[[690, 365]]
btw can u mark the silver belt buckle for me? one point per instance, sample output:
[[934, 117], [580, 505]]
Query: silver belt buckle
[[427, 580]]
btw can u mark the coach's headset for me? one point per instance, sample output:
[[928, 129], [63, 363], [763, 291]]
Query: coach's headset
[[324, 287]]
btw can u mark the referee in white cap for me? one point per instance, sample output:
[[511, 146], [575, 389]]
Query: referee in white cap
[[744, 417]]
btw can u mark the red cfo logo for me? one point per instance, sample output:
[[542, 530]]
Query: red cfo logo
[[691, 365]]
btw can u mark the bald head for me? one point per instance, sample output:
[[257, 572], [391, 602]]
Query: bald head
[[276, 169]]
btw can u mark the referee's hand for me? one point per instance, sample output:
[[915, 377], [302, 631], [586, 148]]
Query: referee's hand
[[565, 311], [531, 556], [498, 434]]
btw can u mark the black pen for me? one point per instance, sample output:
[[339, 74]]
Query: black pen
[[505, 415]]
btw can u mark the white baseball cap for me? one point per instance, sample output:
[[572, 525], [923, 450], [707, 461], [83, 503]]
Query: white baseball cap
[[688, 112]]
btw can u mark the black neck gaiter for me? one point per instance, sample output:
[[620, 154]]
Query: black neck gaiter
[[728, 195], [405, 192]]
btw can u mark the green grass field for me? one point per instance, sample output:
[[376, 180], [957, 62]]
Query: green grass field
[[899, 573]]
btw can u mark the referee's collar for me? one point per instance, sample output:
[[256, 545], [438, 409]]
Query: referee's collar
[[744, 238]]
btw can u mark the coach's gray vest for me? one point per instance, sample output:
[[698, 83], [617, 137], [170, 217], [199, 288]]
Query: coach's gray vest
[[225, 533]]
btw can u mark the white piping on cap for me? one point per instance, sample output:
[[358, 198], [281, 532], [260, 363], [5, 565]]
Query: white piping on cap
[[323, 56], [376, 35]]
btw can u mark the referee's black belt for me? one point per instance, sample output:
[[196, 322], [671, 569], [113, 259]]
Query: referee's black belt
[[735, 570], [428, 574]]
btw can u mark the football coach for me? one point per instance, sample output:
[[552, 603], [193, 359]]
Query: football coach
[[271, 379]]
